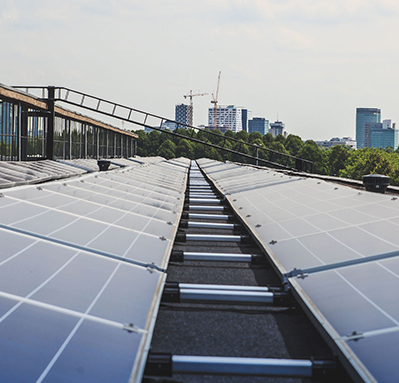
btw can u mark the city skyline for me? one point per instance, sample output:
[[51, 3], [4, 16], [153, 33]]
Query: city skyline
[[309, 64]]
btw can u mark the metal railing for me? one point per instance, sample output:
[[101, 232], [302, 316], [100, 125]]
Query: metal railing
[[153, 121], [28, 132]]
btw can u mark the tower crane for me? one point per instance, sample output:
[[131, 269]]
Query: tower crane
[[190, 96], [215, 101]]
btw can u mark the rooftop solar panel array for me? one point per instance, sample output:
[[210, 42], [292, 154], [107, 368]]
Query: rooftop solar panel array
[[338, 249], [32, 172], [81, 272]]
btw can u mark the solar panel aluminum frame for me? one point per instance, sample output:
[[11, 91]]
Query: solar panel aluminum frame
[[346, 355], [277, 266], [350, 361], [139, 365]]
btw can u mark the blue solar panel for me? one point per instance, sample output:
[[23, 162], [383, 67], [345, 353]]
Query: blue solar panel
[[81, 273], [338, 249]]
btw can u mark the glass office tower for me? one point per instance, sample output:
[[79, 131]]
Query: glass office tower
[[365, 116]]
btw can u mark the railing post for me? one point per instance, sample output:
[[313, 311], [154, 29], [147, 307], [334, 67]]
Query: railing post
[[298, 164], [23, 134], [50, 123]]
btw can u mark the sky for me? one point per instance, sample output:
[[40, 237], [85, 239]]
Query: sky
[[309, 63]]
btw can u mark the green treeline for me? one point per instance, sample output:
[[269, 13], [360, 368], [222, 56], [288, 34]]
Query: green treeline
[[339, 161]]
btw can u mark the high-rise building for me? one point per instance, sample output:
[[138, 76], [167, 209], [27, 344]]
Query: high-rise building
[[277, 128], [246, 116], [226, 116], [183, 114], [258, 124], [365, 116], [380, 135]]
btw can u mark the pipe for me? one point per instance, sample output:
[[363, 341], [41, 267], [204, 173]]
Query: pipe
[[213, 238], [213, 201], [202, 208], [243, 366], [212, 225], [223, 296], [192, 286], [210, 216], [217, 257]]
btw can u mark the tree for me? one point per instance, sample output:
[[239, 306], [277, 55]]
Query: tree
[[154, 143], [389, 149], [280, 138], [367, 161], [143, 143], [293, 144], [242, 135], [242, 148], [255, 136], [276, 157], [337, 157], [185, 149], [215, 139], [167, 150], [310, 151], [268, 139], [229, 133]]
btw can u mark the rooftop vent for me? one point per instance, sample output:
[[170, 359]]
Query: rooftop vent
[[376, 183], [103, 165]]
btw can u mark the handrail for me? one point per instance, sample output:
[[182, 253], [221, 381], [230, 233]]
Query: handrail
[[126, 113]]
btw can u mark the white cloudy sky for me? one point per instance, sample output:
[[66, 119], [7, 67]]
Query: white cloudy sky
[[309, 62]]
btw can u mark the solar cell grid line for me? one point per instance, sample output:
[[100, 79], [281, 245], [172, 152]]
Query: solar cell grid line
[[107, 192], [139, 198], [64, 345], [23, 177], [169, 201], [92, 318], [106, 228], [319, 286], [77, 217], [104, 200], [154, 173], [166, 245], [137, 183], [150, 178], [283, 239], [158, 184], [368, 324]]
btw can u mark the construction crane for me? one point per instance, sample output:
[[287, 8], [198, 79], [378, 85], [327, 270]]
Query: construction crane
[[190, 96], [215, 102]]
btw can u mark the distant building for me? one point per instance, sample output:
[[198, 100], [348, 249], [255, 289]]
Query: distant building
[[246, 116], [347, 141], [226, 116], [183, 114], [258, 124], [365, 116], [166, 125], [380, 135], [277, 128]]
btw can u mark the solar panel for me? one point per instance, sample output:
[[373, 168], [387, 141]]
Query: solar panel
[[81, 273], [338, 249]]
